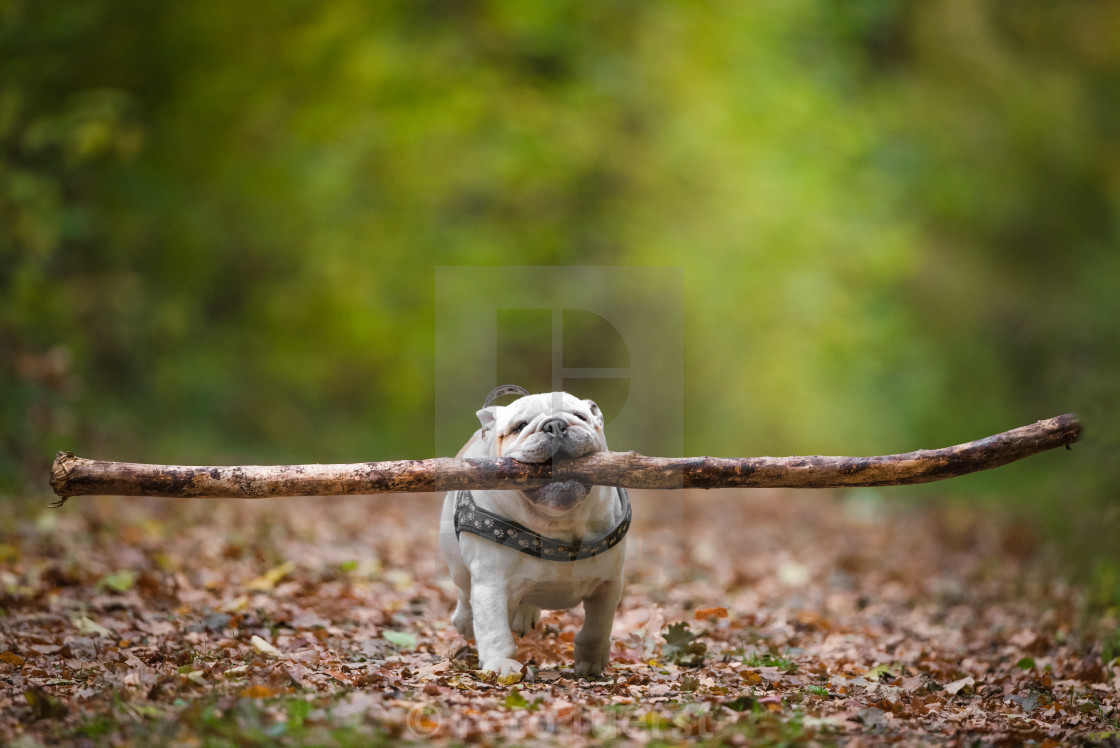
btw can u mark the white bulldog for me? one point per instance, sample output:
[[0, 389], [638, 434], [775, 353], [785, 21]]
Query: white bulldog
[[512, 553]]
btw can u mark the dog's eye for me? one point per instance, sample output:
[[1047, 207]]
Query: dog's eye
[[581, 417], [518, 428]]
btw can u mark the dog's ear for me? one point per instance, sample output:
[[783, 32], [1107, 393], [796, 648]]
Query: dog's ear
[[595, 412], [488, 417]]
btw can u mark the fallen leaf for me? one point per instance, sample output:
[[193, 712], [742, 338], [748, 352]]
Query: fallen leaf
[[119, 581], [267, 581], [401, 639], [264, 647], [681, 645], [912, 683], [11, 658], [51, 681], [702, 613], [751, 676], [960, 685], [258, 691], [510, 678], [515, 700], [87, 627], [237, 604], [877, 672], [435, 669]]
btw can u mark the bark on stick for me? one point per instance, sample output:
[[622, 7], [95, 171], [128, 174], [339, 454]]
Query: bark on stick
[[77, 476]]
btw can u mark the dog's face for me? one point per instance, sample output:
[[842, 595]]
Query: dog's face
[[539, 428]]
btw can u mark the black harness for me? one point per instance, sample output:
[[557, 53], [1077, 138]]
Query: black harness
[[469, 517]]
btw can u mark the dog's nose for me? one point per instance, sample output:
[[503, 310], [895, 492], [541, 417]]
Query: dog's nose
[[555, 426]]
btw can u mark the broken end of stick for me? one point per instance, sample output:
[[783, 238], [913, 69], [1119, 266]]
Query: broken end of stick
[[59, 470], [1069, 426]]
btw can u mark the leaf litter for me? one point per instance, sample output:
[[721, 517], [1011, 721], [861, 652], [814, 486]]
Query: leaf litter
[[751, 617]]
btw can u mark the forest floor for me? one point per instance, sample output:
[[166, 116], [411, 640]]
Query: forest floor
[[759, 617]]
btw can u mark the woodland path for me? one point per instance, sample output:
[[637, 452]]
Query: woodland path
[[809, 618]]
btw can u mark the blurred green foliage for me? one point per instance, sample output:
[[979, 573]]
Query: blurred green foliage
[[896, 222]]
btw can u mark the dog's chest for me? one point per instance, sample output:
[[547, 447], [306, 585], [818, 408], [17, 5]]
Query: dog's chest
[[554, 585], [560, 585], [559, 595]]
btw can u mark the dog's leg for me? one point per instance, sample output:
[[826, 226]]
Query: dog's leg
[[525, 619], [492, 633], [593, 642], [463, 617], [460, 574]]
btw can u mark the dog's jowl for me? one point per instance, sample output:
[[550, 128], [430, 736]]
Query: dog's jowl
[[512, 553]]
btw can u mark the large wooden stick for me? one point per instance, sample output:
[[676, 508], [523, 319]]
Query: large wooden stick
[[77, 476]]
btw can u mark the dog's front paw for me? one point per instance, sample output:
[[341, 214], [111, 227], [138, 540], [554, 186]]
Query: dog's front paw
[[525, 619], [508, 671], [591, 661]]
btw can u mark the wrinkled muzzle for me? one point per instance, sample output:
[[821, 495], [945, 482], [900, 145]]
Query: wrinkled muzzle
[[555, 437]]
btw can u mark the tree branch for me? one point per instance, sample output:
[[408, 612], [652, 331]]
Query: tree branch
[[77, 476]]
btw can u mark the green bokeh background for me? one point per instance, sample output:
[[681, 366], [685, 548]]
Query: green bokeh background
[[896, 223]]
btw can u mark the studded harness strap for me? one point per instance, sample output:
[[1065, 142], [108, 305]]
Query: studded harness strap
[[469, 517]]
